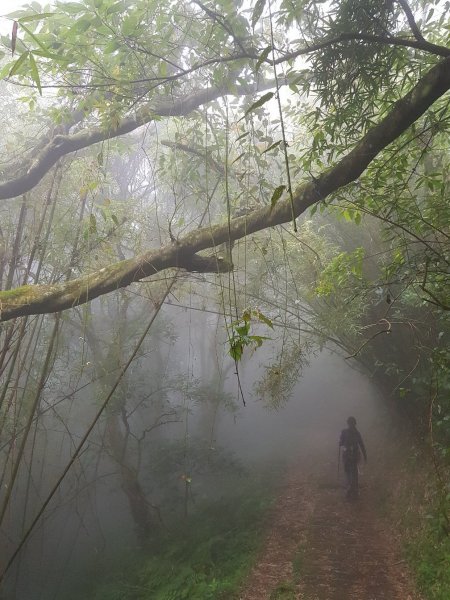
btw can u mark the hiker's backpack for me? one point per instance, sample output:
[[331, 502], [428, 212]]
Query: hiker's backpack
[[350, 442]]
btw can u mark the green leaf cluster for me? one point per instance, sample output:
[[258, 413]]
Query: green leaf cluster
[[343, 270], [240, 336]]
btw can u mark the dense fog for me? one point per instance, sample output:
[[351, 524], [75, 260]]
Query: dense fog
[[210, 432], [224, 267]]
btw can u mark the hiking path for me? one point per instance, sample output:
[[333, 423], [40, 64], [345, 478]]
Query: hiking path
[[319, 546]]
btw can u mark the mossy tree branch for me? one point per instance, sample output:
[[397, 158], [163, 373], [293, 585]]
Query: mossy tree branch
[[52, 149], [40, 299]]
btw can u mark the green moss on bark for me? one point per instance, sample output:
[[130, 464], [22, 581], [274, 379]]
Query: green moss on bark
[[22, 292]]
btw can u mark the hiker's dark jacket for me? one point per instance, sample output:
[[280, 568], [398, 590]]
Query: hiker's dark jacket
[[352, 442]]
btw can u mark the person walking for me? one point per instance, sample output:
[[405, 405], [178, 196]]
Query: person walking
[[352, 442]]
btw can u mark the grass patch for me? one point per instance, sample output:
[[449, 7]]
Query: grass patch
[[426, 542], [429, 555], [283, 591], [286, 589], [299, 562], [415, 508], [206, 557]]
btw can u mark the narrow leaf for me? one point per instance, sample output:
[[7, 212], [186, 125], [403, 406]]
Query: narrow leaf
[[274, 145], [260, 102], [31, 34], [19, 62], [238, 158], [242, 136], [162, 68], [111, 47], [278, 192], [29, 18], [262, 57], [14, 37], [257, 11], [236, 349], [4, 72], [35, 73], [81, 25], [73, 7], [243, 330], [92, 223], [55, 57], [118, 6], [258, 339], [264, 319]]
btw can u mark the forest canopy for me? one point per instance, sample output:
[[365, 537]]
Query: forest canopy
[[366, 81]]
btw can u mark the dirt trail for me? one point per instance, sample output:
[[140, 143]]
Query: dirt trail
[[288, 528], [322, 547]]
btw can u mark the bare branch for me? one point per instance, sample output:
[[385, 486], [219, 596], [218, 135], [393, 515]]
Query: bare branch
[[206, 156], [412, 22], [222, 22], [372, 337], [368, 38], [436, 301]]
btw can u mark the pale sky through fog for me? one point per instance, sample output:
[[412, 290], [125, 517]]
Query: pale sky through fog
[[8, 6]]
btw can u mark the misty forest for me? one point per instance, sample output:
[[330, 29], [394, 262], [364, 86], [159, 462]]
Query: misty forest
[[225, 295]]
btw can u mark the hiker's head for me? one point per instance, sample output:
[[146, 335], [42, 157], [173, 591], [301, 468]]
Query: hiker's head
[[351, 422]]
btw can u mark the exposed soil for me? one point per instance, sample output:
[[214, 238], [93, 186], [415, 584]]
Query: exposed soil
[[287, 533], [322, 547]]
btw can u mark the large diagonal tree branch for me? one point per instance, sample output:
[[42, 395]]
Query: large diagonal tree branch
[[38, 299]]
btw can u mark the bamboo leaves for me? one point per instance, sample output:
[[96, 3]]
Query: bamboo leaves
[[27, 57], [277, 193], [35, 73], [262, 57], [258, 11], [19, 62], [260, 102]]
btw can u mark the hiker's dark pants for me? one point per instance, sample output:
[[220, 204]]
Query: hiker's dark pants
[[351, 471]]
